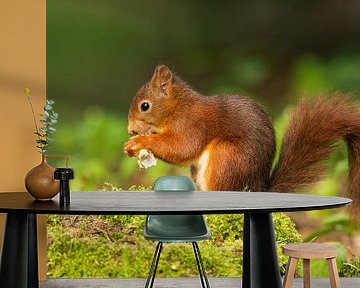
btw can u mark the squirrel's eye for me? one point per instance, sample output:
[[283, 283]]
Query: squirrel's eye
[[145, 106]]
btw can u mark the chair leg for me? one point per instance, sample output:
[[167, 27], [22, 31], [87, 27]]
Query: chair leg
[[306, 269], [333, 273], [290, 272], [203, 277], [154, 264], [198, 265]]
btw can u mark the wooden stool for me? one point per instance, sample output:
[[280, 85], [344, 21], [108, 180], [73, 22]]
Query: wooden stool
[[308, 251]]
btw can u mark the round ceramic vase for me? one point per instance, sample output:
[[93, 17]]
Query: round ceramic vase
[[40, 183]]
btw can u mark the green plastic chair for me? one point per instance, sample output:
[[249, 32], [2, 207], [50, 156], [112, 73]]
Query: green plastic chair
[[176, 228]]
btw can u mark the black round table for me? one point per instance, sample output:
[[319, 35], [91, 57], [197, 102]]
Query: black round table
[[260, 264]]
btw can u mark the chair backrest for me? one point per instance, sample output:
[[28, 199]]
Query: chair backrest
[[174, 183], [162, 227]]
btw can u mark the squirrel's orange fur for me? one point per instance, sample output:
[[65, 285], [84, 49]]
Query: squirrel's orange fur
[[229, 140]]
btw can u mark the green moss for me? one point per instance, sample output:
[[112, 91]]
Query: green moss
[[351, 268], [113, 246]]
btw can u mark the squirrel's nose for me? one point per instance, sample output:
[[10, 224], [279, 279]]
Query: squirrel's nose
[[131, 129], [135, 127], [132, 132]]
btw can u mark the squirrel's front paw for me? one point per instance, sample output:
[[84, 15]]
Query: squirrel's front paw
[[133, 146]]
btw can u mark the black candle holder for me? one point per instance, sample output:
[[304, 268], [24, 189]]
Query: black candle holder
[[64, 175]]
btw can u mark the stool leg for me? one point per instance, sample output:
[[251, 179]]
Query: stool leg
[[333, 273], [290, 272], [306, 268]]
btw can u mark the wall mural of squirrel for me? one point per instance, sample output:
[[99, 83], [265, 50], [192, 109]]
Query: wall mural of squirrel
[[229, 140]]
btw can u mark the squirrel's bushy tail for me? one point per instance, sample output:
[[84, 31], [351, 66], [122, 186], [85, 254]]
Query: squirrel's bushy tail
[[315, 128]]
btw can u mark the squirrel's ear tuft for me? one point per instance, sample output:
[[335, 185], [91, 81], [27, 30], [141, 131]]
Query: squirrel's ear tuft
[[162, 78]]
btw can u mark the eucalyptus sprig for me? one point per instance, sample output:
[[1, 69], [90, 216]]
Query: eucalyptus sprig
[[48, 120]]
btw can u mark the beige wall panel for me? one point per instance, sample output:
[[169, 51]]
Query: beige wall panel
[[22, 64]]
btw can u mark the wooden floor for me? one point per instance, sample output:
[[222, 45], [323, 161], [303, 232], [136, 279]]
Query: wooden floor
[[179, 283]]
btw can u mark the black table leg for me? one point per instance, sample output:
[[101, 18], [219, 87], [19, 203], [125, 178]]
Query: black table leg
[[260, 261], [33, 274], [19, 262]]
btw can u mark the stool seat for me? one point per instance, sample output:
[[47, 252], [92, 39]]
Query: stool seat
[[307, 251], [310, 250]]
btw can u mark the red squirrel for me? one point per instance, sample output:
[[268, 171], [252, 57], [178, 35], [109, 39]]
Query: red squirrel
[[229, 140]]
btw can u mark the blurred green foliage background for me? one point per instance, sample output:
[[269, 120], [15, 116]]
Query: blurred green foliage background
[[100, 52]]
